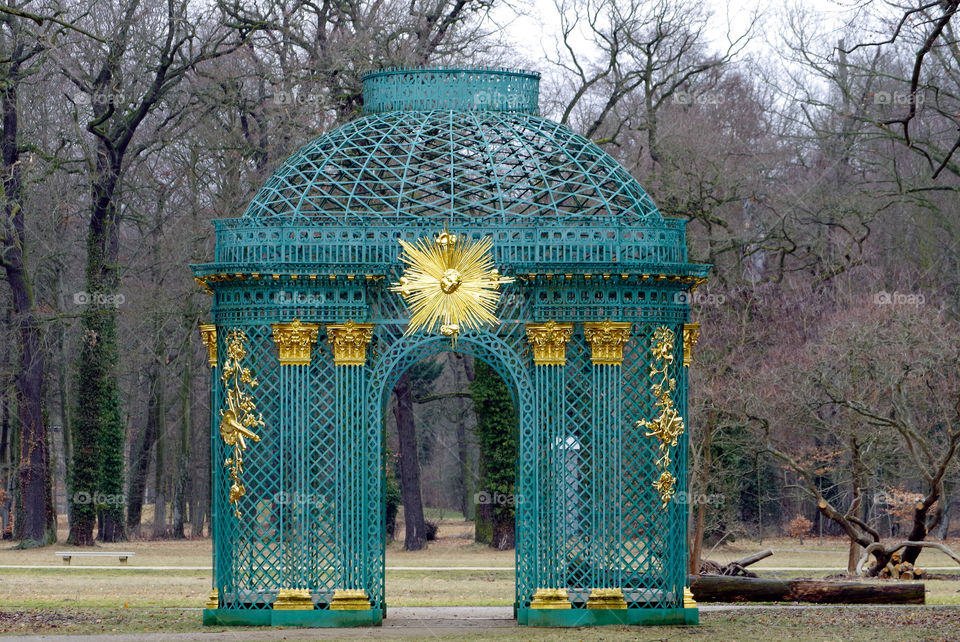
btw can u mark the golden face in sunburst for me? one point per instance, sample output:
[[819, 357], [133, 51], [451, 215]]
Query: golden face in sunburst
[[450, 284]]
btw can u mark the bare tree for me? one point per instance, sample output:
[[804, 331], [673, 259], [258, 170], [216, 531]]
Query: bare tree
[[104, 55], [36, 522]]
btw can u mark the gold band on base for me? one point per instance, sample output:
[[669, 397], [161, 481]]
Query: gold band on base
[[606, 598], [293, 600], [350, 600], [547, 598]]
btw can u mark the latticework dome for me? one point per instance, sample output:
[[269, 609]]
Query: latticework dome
[[457, 146]]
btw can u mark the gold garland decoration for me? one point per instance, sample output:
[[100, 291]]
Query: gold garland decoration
[[668, 426], [450, 284], [238, 419]]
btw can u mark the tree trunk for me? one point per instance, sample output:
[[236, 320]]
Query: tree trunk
[[183, 456], [918, 532], [160, 469], [416, 530], [463, 370], [700, 514], [140, 464], [36, 525], [100, 429], [200, 479], [66, 424], [6, 488]]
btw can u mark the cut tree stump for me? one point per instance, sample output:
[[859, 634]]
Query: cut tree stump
[[718, 588]]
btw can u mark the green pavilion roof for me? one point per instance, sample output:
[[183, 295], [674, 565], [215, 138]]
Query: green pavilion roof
[[457, 146]]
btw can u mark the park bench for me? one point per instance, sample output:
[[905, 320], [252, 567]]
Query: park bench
[[66, 555]]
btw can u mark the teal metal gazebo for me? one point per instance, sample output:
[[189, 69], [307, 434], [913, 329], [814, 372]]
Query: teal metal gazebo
[[449, 216]]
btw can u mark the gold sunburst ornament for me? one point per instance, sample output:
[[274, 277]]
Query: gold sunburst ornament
[[450, 284]]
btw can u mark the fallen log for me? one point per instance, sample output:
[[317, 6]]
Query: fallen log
[[718, 588], [736, 567], [739, 567]]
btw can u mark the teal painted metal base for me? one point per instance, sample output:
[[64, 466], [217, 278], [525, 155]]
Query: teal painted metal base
[[606, 617], [269, 617]]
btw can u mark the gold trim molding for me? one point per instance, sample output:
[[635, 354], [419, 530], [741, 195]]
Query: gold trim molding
[[549, 341], [691, 334], [350, 341], [688, 601], [213, 600], [606, 598], [550, 599], [293, 600], [208, 334], [350, 600], [607, 339], [295, 341]]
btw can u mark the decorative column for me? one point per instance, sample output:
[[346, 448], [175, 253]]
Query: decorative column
[[295, 343], [208, 334], [349, 341], [607, 340], [549, 344]]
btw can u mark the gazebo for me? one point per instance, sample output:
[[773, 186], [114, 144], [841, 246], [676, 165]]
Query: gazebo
[[449, 216]]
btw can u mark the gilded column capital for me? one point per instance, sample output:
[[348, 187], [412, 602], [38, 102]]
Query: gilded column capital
[[350, 341], [607, 339], [691, 333], [549, 341], [208, 334], [295, 341]]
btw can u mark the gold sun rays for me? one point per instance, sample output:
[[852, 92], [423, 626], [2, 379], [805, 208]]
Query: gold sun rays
[[450, 284]]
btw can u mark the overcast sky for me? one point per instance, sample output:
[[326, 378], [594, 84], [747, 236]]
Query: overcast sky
[[535, 34]]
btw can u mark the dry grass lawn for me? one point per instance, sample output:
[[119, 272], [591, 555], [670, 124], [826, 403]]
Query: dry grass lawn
[[111, 585]]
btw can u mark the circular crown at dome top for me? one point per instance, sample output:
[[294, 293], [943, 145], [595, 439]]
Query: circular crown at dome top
[[427, 89]]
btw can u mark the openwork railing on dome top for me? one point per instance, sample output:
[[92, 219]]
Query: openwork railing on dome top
[[241, 241]]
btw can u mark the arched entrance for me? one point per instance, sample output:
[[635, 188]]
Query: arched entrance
[[314, 318], [486, 346]]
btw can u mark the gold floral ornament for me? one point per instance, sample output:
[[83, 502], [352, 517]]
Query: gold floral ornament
[[449, 284], [668, 426], [238, 419], [666, 486]]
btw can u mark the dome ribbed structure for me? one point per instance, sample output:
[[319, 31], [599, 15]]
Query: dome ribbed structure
[[458, 146]]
